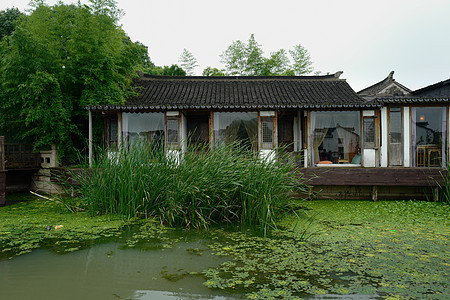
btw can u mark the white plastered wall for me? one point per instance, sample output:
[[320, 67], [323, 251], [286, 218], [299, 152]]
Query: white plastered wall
[[267, 155], [176, 155], [369, 155], [384, 138], [183, 135], [406, 137]]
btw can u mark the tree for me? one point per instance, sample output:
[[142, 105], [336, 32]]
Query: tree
[[173, 70], [247, 59], [58, 60], [235, 58], [276, 64], [254, 59], [210, 71], [8, 19], [302, 60], [188, 62]]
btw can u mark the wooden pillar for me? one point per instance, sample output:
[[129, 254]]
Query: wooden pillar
[[436, 194], [90, 139], [374, 193]]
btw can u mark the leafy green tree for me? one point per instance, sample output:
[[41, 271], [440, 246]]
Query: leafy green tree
[[301, 60], [276, 64], [242, 58], [8, 19], [235, 58], [173, 70], [210, 71], [188, 62], [58, 60], [254, 57]]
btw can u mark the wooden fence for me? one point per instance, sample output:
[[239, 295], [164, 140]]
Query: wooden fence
[[20, 156]]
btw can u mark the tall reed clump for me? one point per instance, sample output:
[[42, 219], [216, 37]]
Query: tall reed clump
[[226, 184]]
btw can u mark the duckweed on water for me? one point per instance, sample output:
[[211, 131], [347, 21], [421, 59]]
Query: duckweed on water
[[387, 249], [394, 249], [24, 226]]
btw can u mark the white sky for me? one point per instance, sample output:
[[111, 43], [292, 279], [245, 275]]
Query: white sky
[[365, 39]]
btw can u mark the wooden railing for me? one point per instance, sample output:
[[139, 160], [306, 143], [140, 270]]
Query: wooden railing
[[20, 156]]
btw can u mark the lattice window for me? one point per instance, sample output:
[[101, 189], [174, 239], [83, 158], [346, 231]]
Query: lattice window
[[267, 133]]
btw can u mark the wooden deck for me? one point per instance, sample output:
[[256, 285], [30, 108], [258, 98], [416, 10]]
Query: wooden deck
[[429, 177], [375, 183]]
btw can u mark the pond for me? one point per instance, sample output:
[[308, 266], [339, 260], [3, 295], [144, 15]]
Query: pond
[[110, 271], [329, 250]]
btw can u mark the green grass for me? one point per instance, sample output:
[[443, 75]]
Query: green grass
[[227, 184]]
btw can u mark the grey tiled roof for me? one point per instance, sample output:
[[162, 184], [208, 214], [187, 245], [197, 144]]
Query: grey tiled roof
[[439, 89], [412, 100], [199, 92], [438, 93], [377, 88]]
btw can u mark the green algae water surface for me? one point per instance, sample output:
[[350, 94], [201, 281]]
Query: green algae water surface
[[109, 271]]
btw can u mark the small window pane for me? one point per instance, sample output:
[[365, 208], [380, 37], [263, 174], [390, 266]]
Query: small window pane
[[113, 131], [267, 130], [172, 130], [369, 132]]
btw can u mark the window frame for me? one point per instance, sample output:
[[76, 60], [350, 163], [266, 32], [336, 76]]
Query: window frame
[[175, 117]]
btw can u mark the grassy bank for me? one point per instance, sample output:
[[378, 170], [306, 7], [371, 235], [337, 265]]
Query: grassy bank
[[227, 184]]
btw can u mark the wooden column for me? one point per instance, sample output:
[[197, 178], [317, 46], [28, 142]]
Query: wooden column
[[374, 193]]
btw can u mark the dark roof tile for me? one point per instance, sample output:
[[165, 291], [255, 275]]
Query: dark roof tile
[[411, 100], [241, 93]]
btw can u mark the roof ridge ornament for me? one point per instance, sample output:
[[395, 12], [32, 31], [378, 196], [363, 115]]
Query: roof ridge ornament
[[338, 74], [391, 75]]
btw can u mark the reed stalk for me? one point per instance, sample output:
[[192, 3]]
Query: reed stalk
[[226, 184]]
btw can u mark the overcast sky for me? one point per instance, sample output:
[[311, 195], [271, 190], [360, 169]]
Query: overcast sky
[[365, 39]]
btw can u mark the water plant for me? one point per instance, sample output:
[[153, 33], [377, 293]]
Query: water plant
[[205, 186], [358, 249], [444, 186], [361, 249]]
